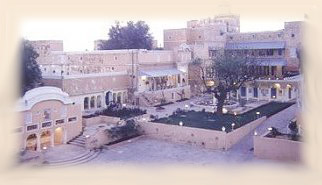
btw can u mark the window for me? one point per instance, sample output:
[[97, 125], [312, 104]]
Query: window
[[255, 92], [199, 36], [293, 35], [280, 51], [32, 127], [47, 114], [169, 37], [115, 57], [269, 52], [72, 119], [243, 91], [46, 124], [60, 121]]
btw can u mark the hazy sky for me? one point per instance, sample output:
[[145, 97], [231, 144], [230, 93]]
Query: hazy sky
[[79, 35]]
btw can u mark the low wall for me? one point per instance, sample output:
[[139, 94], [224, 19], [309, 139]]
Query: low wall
[[277, 149], [212, 139], [236, 135], [100, 119]]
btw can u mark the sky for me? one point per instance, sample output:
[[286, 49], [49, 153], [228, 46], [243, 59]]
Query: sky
[[79, 35]]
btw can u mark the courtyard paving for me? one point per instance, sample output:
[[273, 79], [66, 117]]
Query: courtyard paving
[[146, 150]]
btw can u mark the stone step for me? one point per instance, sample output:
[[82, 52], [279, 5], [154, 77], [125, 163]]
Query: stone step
[[79, 160], [77, 144]]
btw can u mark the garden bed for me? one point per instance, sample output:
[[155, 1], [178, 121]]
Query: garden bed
[[123, 113], [215, 121]]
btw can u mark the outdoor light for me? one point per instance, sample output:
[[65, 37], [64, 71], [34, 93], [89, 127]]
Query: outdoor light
[[143, 119], [186, 106], [224, 110], [235, 113], [87, 136], [269, 78], [181, 123], [44, 147], [257, 113], [277, 85], [123, 104], [143, 77], [273, 96], [270, 129], [255, 133], [233, 124], [223, 129]]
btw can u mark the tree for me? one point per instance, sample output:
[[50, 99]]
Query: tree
[[31, 74], [133, 36], [228, 73]]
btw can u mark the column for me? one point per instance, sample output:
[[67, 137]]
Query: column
[[38, 143], [52, 139], [247, 94], [65, 136]]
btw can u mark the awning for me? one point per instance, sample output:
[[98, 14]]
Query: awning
[[160, 72], [269, 62], [255, 45]]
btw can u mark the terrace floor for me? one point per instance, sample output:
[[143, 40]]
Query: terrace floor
[[146, 150]]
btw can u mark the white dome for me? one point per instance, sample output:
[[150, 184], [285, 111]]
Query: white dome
[[39, 94]]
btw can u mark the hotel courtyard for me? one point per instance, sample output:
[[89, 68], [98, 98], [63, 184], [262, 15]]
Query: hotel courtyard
[[211, 95]]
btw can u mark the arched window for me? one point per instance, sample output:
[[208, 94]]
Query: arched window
[[86, 103], [99, 101], [92, 102]]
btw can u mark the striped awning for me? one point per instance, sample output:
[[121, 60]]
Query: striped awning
[[160, 72], [269, 62], [255, 45]]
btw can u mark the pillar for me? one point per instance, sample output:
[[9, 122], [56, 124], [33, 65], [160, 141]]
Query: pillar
[[247, 94], [52, 139], [38, 143], [65, 136]]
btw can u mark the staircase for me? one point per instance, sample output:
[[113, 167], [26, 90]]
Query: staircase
[[83, 158], [146, 100], [78, 141]]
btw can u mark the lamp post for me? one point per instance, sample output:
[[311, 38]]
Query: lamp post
[[181, 123], [258, 115], [232, 126], [224, 130], [255, 133]]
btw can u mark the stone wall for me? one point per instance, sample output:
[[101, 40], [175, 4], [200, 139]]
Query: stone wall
[[212, 139], [100, 120], [277, 149]]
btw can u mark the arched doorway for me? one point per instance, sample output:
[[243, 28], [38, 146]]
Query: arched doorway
[[98, 101], [108, 97], [119, 97], [86, 104], [92, 102], [31, 142], [45, 139], [58, 136]]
